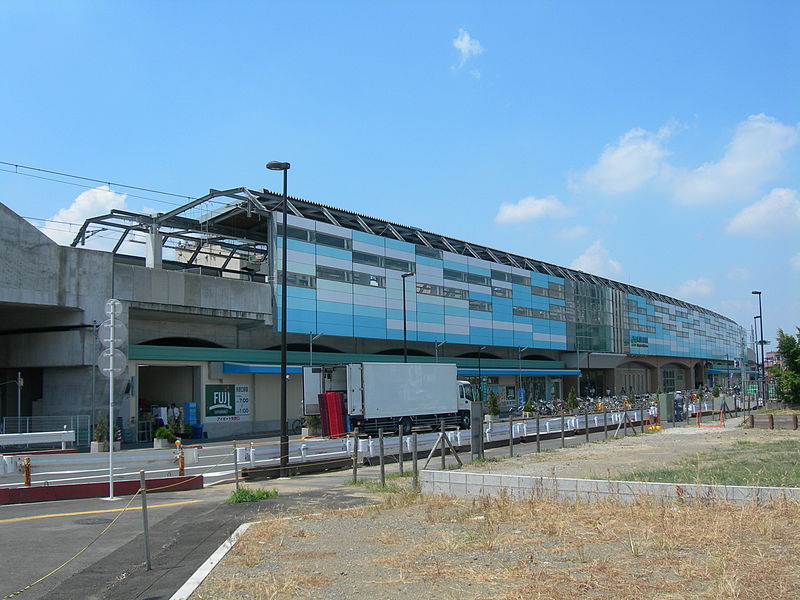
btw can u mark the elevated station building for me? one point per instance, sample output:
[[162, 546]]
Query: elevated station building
[[200, 290]]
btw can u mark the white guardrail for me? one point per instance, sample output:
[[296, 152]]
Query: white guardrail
[[38, 437], [319, 449], [300, 451], [136, 459]]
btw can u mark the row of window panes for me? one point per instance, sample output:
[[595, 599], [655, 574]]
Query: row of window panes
[[467, 277], [431, 289], [298, 280], [324, 239], [385, 262], [355, 277]]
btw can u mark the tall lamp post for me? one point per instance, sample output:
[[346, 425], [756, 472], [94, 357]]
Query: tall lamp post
[[311, 339], [480, 379], [520, 350], [284, 443], [405, 320], [761, 343]]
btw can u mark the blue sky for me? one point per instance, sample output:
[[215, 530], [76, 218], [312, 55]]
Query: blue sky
[[655, 143]]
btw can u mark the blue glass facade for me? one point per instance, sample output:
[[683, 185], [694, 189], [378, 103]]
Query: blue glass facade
[[345, 282]]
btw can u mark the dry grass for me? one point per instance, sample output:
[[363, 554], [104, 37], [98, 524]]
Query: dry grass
[[438, 547]]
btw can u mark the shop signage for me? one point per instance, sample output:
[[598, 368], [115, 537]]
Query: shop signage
[[227, 403]]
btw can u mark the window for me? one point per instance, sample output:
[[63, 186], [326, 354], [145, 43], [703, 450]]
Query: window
[[368, 279], [520, 279], [297, 280], [557, 313], [455, 293], [333, 274], [455, 275], [367, 259], [480, 305], [501, 292], [333, 241], [556, 290], [478, 279], [538, 291], [295, 233], [397, 265], [501, 275], [429, 289], [429, 252]]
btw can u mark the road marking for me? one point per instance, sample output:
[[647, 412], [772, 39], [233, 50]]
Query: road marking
[[96, 512]]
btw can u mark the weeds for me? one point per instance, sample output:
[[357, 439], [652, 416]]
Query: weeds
[[250, 495]]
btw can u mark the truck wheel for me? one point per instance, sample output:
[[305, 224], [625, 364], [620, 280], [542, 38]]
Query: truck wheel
[[405, 426], [464, 421]]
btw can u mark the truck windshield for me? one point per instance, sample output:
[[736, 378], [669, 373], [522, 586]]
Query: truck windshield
[[467, 390]]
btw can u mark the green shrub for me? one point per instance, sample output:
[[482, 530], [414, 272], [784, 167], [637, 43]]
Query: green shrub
[[250, 495], [162, 433], [494, 408], [715, 391], [572, 399]]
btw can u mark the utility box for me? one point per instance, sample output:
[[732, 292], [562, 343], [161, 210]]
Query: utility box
[[666, 407]]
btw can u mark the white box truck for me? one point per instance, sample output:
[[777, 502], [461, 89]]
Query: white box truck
[[392, 395]]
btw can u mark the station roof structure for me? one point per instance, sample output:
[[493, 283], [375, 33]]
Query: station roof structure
[[236, 221]]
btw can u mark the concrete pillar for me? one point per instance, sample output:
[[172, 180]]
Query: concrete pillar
[[153, 248]]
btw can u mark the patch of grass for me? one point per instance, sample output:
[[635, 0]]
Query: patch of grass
[[483, 461], [250, 495], [769, 464]]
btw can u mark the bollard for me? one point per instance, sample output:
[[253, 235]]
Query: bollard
[[562, 430], [236, 464], [538, 443], [400, 456], [26, 471], [252, 456], [303, 452], [511, 436], [143, 486], [181, 462], [381, 457], [414, 470], [443, 445], [64, 442], [355, 456]]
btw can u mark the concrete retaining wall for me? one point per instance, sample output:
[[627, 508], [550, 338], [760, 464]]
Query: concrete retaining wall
[[468, 485]]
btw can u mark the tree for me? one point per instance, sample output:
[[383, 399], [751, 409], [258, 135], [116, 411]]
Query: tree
[[787, 374], [572, 399], [494, 409]]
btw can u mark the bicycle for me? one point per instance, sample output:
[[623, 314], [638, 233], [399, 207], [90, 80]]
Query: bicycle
[[297, 425]]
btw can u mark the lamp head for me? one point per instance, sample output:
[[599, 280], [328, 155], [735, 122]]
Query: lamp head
[[756, 292], [275, 165]]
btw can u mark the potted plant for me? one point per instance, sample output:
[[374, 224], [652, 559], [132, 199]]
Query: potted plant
[[163, 438], [492, 409], [527, 410], [572, 399], [313, 425], [99, 441]]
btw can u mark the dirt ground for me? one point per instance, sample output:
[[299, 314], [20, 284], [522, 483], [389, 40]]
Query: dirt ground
[[615, 458], [406, 547]]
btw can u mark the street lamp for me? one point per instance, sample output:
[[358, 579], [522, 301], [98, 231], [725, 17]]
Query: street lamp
[[520, 350], [480, 379], [405, 320], [437, 345], [284, 443], [761, 343]]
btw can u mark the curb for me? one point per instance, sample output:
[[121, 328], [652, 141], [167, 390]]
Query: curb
[[188, 588]]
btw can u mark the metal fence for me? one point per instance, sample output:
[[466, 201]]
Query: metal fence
[[78, 423]]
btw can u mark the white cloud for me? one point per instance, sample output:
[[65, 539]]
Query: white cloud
[[738, 274], [776, 213], [795, 262], [637, 158], [596, 260], [531, 208], [573, 233], [702, 287], [467, 48], [91, 203], [754, 156]]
